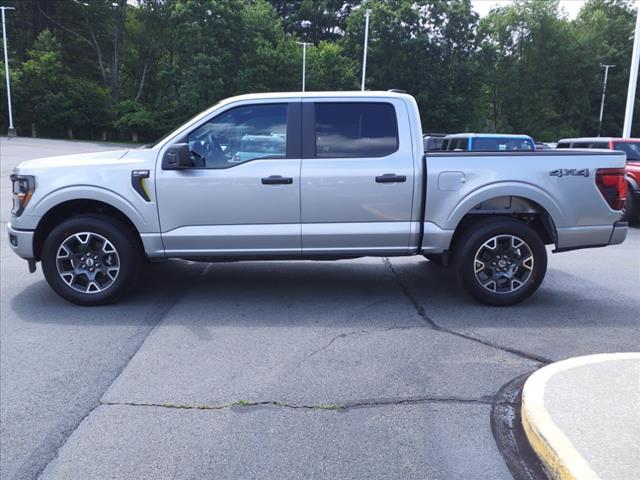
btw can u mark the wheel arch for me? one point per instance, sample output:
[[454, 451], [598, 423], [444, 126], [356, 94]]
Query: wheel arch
[[516, 207], [67, 209]]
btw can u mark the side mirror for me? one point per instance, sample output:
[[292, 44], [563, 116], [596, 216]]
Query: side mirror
[[177, 157]]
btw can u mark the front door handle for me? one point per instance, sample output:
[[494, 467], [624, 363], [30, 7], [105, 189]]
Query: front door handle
[[390, 178], [277, 180]]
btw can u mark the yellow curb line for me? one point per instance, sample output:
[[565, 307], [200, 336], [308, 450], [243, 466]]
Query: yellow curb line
[[560, 457]]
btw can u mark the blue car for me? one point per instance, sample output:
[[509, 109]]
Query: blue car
[[488, 142]]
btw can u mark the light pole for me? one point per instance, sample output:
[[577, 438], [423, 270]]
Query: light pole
[[604, 92], [366, 43], [304, 61], [12, 131], [633, 80]]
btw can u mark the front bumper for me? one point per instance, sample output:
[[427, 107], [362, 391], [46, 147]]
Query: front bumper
[[21, 242]]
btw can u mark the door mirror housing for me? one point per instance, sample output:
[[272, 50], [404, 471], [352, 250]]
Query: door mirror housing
[[177, 157]]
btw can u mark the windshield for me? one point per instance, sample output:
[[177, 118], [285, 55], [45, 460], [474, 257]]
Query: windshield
[[632, 149], [501, 144]]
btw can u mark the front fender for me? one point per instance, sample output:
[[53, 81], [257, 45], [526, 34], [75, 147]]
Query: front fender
[[143, 221]]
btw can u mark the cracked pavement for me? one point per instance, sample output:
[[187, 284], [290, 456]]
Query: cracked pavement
[[372, 367]]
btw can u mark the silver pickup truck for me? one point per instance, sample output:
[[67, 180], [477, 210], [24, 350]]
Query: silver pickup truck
[[311, 176]]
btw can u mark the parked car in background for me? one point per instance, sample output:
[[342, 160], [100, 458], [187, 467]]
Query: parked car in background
[[433, 141], [488, 142], [630, 146], [544, 146]]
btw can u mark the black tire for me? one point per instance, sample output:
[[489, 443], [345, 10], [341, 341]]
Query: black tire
[[109, 241], [509, 274], [630, 212]]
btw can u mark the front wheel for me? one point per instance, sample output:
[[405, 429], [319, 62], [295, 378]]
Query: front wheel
[[91, 259], [501, 262]]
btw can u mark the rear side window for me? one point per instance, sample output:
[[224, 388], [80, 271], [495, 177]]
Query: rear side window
[[355, 130]]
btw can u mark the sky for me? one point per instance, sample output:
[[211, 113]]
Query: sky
[[572, 7]]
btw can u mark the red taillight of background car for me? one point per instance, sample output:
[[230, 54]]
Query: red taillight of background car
[[613, 186]]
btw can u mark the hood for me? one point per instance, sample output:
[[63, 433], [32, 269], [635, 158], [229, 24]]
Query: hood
[[78, 159]]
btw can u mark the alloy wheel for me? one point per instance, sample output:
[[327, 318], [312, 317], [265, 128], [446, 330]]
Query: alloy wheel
[[503, 264], [88, 262]]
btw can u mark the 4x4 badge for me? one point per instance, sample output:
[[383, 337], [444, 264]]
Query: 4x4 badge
[[569, 172]]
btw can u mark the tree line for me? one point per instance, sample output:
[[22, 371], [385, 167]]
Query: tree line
[[122, 70]]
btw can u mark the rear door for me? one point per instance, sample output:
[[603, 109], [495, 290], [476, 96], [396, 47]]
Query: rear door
[[357, 177]]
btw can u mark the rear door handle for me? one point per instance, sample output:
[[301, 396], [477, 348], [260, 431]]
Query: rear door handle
[[390, 178], [277, 180]]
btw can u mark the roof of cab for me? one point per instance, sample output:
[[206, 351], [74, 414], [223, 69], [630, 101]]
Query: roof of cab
[[345, 94]]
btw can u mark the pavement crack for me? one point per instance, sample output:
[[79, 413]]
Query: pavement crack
[[355, 332], [435, 326], [379, 402]]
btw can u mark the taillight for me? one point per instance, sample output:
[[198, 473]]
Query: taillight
[[613, 186]]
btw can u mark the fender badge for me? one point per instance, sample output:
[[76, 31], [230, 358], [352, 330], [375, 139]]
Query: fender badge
[[569, 172]]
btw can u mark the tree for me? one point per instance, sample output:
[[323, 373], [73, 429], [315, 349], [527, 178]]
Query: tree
[[426, 48], [604, 32], [328, 68], [537, 70], [315, 21]]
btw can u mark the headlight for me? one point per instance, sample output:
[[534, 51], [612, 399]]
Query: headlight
[[23, 188]]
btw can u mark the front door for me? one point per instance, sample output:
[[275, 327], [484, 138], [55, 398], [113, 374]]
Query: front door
[[242, 196], [357, 177]]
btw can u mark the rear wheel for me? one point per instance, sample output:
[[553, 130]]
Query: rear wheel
[[501, 262], [91, 259]]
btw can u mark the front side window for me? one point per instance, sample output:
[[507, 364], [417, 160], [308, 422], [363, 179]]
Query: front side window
[[240, 135], [355, 130]]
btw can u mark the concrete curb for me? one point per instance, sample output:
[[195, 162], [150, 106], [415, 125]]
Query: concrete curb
[[560, 457]]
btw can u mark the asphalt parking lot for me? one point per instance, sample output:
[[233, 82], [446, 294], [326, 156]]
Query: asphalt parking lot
[[368, 368]]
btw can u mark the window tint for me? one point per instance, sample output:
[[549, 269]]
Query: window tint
[[563, 145], [632, 149], [351, 130], [455, 144], [501, 144], [239, 135]]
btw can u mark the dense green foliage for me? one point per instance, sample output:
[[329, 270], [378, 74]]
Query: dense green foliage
[[119, 69]]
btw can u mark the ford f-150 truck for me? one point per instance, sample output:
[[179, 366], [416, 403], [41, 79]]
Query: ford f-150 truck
[[321, 176]]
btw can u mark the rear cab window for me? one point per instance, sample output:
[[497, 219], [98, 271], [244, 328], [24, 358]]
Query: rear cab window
[[355, 129], [497, 144]]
